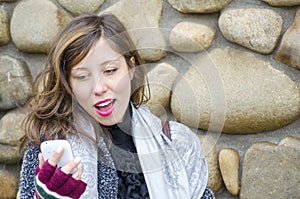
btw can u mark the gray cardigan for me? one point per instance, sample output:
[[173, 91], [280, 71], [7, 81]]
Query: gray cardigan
[[107, 182], [107, 179]]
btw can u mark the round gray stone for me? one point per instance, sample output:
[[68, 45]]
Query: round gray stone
[[271, 170], [15, 82], [161, 79], [288, 51], [4, 29], [191, 37], [141, 18], [79, 7], [199, 6], [282, 2], [256, 29], [35, 24]]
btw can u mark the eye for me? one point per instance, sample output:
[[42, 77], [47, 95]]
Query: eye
[[80, 77], [110, 71]]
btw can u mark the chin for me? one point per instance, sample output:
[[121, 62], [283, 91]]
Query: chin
[[108, 121]]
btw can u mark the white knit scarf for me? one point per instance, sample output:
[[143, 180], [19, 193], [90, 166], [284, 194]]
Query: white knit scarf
[[161, 162]]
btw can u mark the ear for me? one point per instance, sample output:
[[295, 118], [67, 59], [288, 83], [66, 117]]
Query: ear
[[132, 67]]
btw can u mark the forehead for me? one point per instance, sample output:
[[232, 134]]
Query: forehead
[[100, 53]]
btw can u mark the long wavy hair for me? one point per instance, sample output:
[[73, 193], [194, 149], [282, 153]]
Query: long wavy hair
[[50, 108]]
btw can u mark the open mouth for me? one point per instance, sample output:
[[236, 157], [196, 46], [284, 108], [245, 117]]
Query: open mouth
[[105, 107]]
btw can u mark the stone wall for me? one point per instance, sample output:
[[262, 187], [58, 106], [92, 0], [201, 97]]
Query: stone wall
[[229, 69]]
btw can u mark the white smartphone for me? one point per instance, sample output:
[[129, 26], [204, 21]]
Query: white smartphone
[[48, 147]]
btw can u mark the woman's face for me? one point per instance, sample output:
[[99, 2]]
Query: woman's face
[[101, 83]]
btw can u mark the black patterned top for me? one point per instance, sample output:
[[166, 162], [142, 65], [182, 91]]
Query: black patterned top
[[131, 181]]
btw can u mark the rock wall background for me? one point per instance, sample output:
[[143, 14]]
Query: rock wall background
[[229, 69]]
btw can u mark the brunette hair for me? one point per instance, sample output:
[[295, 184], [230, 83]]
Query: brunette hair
[[50, 115]]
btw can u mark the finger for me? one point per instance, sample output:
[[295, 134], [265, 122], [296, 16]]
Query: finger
[[75, 188], [76, 193], [46, 172], [77, 175], [71, 165], [41, 160], [58, 179], [56, 155]]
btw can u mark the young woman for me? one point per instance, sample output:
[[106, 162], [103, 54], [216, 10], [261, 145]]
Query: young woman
[[91, 93]]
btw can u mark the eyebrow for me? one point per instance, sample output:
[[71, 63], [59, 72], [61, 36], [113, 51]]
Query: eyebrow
[[109, 61], [79, 68], [102, 64]]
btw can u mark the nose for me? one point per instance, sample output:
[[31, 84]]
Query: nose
[[100, 86]]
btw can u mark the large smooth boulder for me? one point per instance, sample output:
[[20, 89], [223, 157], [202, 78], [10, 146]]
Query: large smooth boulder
[[235, 92]]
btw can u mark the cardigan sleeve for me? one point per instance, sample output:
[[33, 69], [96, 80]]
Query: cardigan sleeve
[[30, 161]]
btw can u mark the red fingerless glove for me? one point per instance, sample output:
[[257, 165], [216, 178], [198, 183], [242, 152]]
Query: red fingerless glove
[[53, 183]]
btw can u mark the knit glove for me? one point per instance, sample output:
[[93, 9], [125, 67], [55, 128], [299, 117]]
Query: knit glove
[[52, 183]]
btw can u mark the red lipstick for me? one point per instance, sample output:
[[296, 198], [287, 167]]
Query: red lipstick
[[105, 107]]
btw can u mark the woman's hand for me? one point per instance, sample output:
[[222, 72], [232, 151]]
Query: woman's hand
[[55, 182], [68, 168]]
